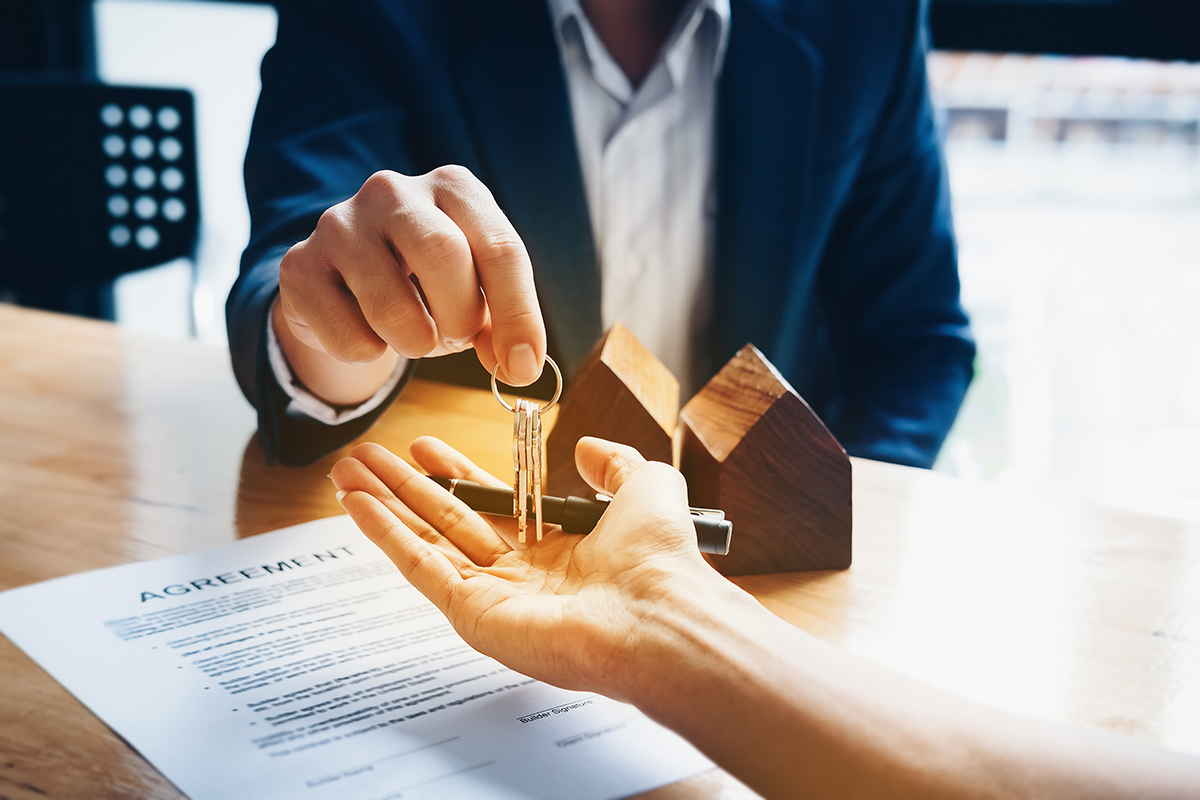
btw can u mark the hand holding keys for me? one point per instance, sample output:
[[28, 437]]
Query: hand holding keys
[[527, 453]]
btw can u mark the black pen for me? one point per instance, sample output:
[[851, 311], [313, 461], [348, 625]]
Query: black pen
[[578, 514]]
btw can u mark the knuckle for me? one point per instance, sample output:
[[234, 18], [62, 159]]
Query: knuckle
[[515, 316], [442, 246], [504, 249], [385, 308], [303, 275], [625, 464], [454, 176], [616, 468], [291, 267], [306, 271], [384, 194], [383, 186], [333, 227]]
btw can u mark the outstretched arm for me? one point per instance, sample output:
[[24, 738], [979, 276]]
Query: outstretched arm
[[369, 248], [634, 612]]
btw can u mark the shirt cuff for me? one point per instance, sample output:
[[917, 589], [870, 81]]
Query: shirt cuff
[[303, 403]]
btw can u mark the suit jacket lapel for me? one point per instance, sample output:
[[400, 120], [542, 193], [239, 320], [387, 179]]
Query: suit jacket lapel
[[516, 102], [767, 106]]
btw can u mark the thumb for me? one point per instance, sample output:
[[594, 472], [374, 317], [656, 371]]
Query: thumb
[[651, 509], [606, 465]]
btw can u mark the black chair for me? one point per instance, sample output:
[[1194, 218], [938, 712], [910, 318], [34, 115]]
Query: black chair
[[95, 181]]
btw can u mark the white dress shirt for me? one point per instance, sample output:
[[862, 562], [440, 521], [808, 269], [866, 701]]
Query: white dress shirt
[[647, 156]]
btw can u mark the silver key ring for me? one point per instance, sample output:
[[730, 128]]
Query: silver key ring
[[543, 409]]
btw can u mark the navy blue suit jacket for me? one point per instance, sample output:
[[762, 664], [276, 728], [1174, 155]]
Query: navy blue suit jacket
[[834, 248]]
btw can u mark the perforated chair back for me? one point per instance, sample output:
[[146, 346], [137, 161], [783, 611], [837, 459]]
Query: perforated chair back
[[95, 181]]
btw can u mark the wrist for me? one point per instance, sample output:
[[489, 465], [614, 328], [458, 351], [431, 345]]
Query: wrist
[[324, 376], [694, 619], [722, 671]]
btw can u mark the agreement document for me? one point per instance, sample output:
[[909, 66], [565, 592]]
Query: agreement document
[[300, 664]]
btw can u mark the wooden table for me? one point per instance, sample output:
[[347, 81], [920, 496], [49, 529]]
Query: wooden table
[[117, 448]]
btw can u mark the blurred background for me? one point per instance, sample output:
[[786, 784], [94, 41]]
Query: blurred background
[[1072, 134]]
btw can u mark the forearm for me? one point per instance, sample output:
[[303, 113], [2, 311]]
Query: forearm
[[334, 381], [632, 611], [899, 406], [782, 711]]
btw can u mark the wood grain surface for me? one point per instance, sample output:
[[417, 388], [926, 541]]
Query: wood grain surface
[[754, 448], [622, 393], [117, 448]]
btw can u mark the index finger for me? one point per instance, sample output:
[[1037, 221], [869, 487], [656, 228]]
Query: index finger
[[518, 334], [438, 458]]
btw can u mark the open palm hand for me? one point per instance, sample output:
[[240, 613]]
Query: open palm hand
[[566, 610]]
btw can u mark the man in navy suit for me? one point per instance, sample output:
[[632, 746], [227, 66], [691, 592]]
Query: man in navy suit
[[512, 176]]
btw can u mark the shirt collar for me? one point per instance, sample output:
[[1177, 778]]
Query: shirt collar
[[568, 16]]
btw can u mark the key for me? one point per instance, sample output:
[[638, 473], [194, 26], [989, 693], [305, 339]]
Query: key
[[527, 454], [533, 444], [520, 466], [527, 445]]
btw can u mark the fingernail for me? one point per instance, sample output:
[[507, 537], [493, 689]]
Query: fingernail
[[339, 496], [522, 364]]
